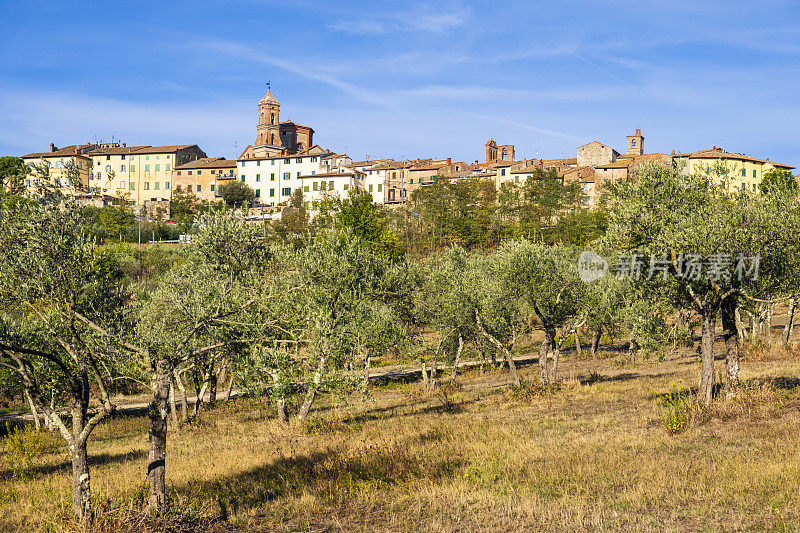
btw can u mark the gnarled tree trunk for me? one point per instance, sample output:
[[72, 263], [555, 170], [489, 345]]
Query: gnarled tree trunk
[[312, 390], [730, 334], [502, 349], [598, 333], [81, 487], [787, 329], [457, 360], [156, 457], [706, 389]]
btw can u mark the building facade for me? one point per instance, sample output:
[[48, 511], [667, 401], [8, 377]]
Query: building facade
[[204, 177]]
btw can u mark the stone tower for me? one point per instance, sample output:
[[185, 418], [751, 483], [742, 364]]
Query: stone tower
[[269, 122], [636, 143]]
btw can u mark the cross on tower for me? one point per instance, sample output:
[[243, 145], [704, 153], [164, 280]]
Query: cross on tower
[[268, 86]]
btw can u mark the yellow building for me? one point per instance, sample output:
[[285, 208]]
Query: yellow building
[[66, 169], [139, 173], [737, 171], [204, 177]]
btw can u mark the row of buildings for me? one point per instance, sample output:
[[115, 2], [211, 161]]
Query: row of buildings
[[284, 159]]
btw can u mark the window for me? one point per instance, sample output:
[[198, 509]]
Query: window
[[313, 172], [330, 185], [122, 168], [380, 187], [147, 185], [258, 177], [298, 160], [158, 156], [315, 185], [411, 180], [258, 163], [744, 173], [287, 160], [166, 185], [272, 192], [370, 187], [243, 177], [346, 186], [287, 175], [121, 184], [242, 163], [190, 172], [167, 166], [754, 173], [147, 157], [633, 143], [754, 186], [199, 188], [132, 186], [133, 168], [305, 188], [108, 158], [298, 174], [258, 193], [98, 175], [179, 173], [502, 172], [158, 167], [108, 168], [147, 168], [156, 185], [272, 162], [287, 191], [213, 187], [122, 156], [272, 176], [313, 159]]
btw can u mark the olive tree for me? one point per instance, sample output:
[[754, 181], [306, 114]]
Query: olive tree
[[57, 288]]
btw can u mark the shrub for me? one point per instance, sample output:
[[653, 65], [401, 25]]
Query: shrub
[[23, 446]]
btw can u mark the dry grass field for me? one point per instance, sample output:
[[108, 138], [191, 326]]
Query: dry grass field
[[477, 456]]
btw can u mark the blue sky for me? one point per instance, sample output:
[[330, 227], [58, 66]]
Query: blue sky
[[405, 79]]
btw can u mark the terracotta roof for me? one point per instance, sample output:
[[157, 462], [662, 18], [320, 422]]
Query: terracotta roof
[[72, 149], [208, 162], [578, 174], [719, 153], [117, 150], [162, 149], [526, 170], [295, 124], [560, 161]]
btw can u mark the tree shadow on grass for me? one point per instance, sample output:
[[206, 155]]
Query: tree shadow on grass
[[335, 474], [65, 467]]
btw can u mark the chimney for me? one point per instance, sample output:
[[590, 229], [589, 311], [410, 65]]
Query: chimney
[[124, 145], [52, 147], [673, 152], [448, 160]]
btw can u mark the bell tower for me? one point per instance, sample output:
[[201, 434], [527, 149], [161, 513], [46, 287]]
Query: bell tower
[[269, 122], [636, 143]]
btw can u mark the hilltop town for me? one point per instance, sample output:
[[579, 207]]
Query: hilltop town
[[283, 159]]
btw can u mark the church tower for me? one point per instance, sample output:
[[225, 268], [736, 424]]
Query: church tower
[[636, 143], [269, 123]]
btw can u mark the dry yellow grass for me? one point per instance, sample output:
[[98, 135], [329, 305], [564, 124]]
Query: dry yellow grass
[[588, 456]]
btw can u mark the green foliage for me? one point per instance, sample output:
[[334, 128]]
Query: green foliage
[[674, 409], [368, 222], [237, 194], [778, 181], [12, 171]]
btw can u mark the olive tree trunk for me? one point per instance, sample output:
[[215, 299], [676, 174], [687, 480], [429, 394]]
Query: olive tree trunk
[[81, 486], [730, 334], [457, 360], [787, 329], [312, 390], [706, 390], [156, 457], [502, 349], [598, 333]]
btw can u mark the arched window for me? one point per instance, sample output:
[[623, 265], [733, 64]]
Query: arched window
[[272, 118]]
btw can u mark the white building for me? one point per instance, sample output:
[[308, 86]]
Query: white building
[[275, 178]]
